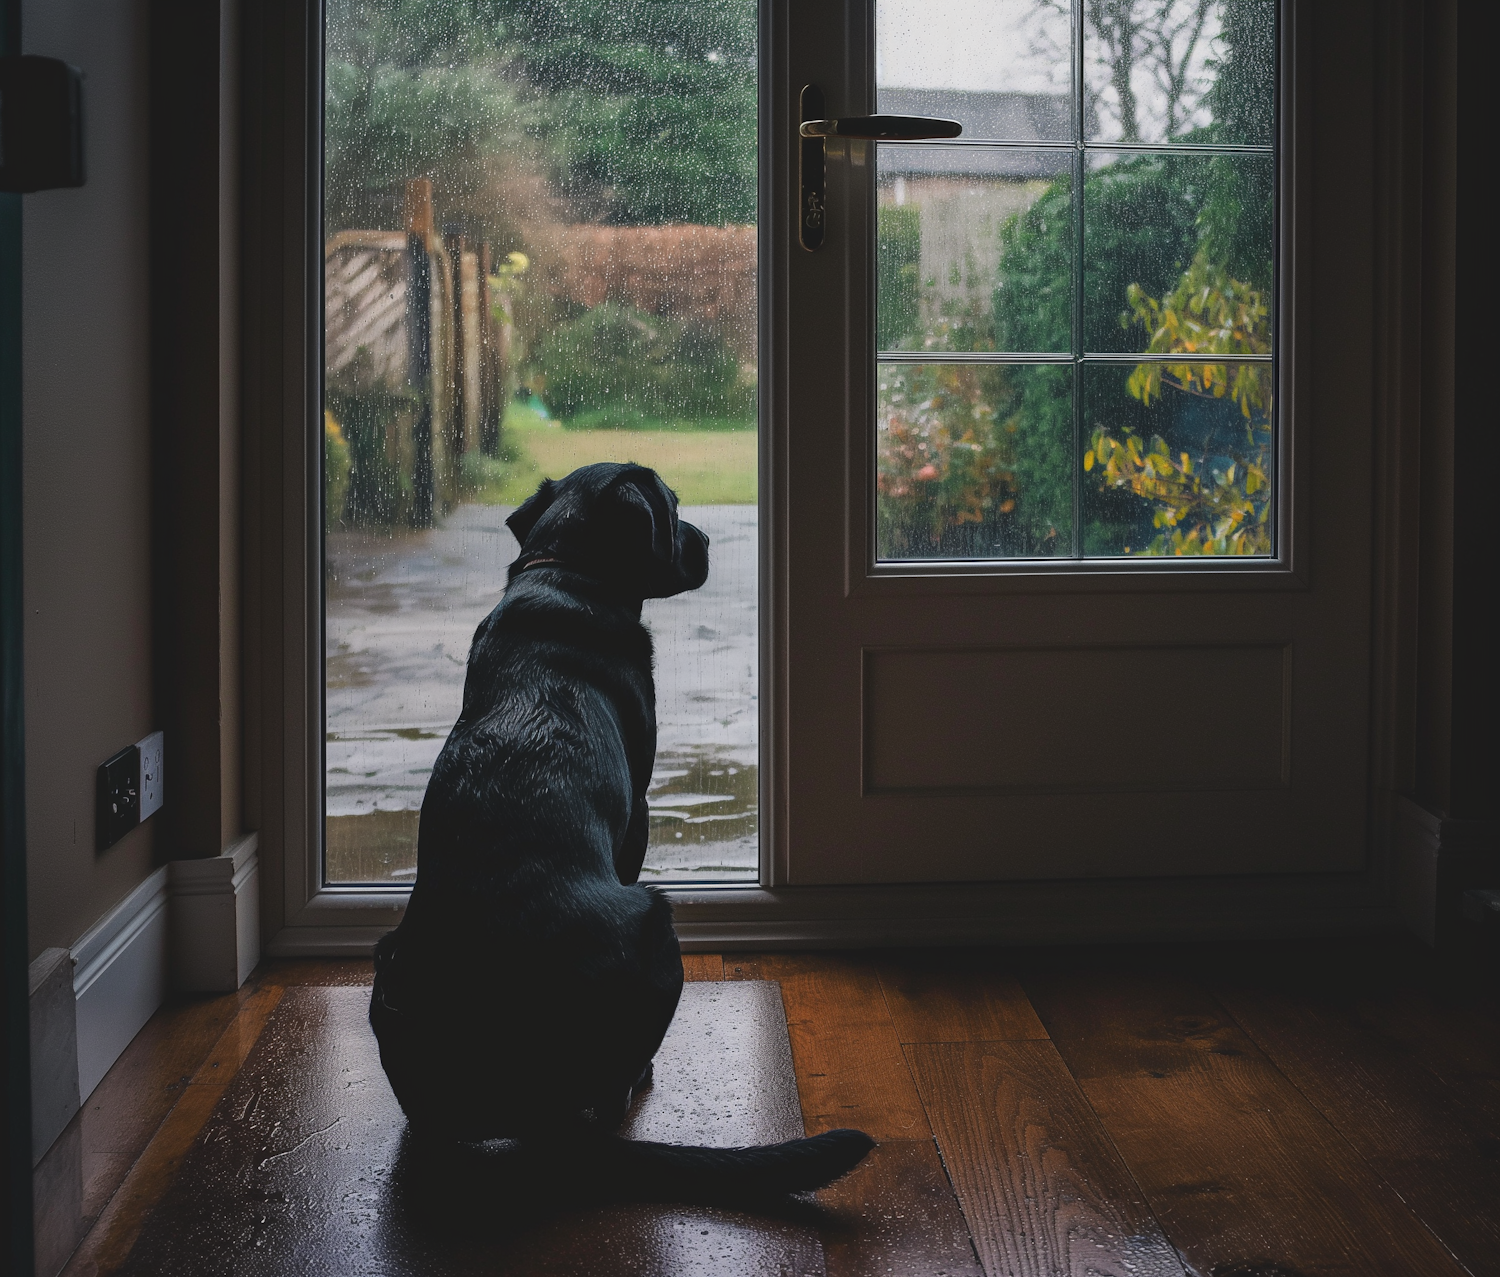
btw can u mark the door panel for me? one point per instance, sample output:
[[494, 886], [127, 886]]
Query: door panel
[[1047, 720], [1015, 709]]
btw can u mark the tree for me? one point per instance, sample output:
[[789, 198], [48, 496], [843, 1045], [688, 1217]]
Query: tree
[[1150, 73], [632, 111]]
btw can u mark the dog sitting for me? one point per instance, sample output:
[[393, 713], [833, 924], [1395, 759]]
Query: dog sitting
[[532, 977]]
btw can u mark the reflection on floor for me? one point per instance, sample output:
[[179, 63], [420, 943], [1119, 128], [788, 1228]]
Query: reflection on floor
[[1237, 1111], [401, 610]]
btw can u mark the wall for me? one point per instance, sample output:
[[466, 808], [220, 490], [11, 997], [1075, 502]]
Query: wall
[[85, 307]]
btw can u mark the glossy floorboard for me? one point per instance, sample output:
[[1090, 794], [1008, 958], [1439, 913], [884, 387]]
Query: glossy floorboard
[[1254, 1111]]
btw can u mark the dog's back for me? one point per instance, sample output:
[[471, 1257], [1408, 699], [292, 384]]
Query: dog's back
[[521, 946]]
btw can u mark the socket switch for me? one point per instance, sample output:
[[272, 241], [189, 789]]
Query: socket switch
[[117, 797], [153, 758], [129, 788]]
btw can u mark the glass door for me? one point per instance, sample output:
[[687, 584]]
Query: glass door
[[540, 251], [1048, 610]]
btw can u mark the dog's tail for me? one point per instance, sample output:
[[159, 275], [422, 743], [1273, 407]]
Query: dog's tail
[[691, 1173]]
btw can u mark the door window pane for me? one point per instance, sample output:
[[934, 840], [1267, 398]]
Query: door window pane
[[974, 460], [1042, 262], [1177, 251], [1197, 71], [949, 218], [1177, 459], [540, 252], [1001, 68]]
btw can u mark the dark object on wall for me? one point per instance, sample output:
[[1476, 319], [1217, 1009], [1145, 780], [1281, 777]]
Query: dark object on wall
[[41, 124], [117, 807], [128, 789]]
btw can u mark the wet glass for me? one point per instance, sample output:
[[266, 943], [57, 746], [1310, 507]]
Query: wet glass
[[1045, 290], [1178, 459], [1001, 68], [1193, 71], [1158, 230], [947, 218], [540, 252], [974, 461]]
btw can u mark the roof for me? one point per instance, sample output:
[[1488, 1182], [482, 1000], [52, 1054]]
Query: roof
[[1004, 117]]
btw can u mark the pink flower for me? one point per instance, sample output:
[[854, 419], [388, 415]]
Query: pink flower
[[929, 471]]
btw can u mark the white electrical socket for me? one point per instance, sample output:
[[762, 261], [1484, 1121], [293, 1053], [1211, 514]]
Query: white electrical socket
[[153, 760]]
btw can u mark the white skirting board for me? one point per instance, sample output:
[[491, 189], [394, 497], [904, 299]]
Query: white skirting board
[[216, 919], [193, 925], [119, 977]]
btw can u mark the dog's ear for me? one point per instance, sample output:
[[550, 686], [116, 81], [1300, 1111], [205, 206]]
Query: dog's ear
[[643, 490], [529, 511]]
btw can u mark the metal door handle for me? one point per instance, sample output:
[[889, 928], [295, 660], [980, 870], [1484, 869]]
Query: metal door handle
[[813, 132], [885, 128]]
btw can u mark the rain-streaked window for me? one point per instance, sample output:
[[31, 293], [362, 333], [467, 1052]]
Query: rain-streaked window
[[539, 252], [1076, 298]]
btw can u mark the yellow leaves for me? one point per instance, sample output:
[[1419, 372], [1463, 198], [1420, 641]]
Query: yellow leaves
[[1207, 320], [1210, 513], [1209, 313], [1088, 461]]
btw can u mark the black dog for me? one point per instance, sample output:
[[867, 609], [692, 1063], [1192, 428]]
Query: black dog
[[532, 978]]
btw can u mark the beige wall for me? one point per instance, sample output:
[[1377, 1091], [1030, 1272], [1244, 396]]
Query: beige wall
[[87, 472]]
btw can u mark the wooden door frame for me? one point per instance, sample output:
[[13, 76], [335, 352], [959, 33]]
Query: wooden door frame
[[282, 604]]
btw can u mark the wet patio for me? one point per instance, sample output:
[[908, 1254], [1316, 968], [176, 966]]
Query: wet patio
[[401, 610]]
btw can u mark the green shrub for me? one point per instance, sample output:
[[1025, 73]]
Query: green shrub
[[899, 262], [382, 476], [639, 370]]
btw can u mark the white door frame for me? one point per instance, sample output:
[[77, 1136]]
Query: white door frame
[[283, 608]]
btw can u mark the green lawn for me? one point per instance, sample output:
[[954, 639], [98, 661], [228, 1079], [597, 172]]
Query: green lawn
[[704, 467]]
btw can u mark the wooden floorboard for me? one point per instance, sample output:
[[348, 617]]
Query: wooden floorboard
[[108, 1243], [896, 1213], [958, 995], [850, 1070], [1044, 1191], [119, 1119], [305, 1165], [1275, 1110], [1238, 1166], [1433, 1144], [318, 972], [702, 966]]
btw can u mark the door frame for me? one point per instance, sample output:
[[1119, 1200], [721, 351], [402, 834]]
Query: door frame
[[282, 578]]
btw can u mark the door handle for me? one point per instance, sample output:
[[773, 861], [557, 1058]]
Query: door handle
[[885, 128], [814, 130]]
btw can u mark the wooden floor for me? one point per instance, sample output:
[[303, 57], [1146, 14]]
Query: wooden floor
[[1245, 1111]]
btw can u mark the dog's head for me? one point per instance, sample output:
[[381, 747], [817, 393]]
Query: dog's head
[[617, 522]]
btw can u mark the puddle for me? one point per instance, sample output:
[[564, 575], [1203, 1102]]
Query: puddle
[[704, 828]]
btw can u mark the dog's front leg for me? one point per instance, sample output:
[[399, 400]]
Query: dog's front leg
[[631, 854]]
